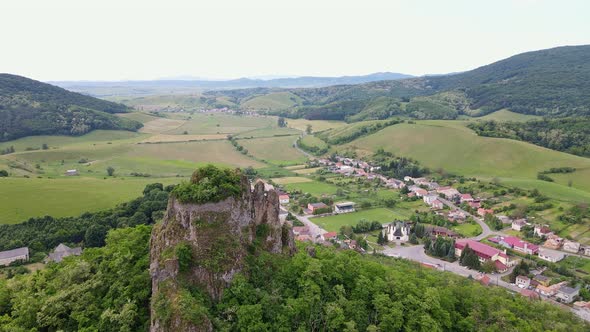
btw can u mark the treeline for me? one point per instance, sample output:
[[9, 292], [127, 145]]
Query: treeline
[[43, 234], [313, 149], [397, 167], [336, 137], [571, 135]]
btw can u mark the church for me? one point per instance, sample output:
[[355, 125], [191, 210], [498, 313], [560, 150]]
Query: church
[[397, 231]]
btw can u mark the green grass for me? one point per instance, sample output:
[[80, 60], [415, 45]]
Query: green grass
[[468, 229], [314, 188], [268, 132], [316, 125], [25, 198], [312, 141], [275, 150], [222, 123], [272, 101], [138, 116], [333, 223], [94, 137], [506, 115], [453, 147]]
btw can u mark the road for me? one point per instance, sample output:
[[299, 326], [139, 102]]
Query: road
[[296, 146], [314, 230], [486, 230]]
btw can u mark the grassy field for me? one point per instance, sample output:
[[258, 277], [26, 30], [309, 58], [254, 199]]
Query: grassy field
[[291, 180], [200, 123], [314, 188], [312, 141], [276, 150], [456, 149], [273, 101], [316, 125], [468, 229], [506, 115], [333, 223], [138, 116], [25, 198], [161, 125]]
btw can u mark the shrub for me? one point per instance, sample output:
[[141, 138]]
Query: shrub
[[209, 184]]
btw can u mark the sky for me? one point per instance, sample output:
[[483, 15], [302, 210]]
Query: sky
[[143, 39]]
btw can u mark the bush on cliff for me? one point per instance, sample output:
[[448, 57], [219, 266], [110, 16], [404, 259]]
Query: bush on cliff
[[209, 184]]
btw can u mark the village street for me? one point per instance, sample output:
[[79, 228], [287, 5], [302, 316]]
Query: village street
[[314, 230], [486, 231]]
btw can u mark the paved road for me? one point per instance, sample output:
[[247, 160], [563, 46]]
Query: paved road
[[314, 230], [486, 230]]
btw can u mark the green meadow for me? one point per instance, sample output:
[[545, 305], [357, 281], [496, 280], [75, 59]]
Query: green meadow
[[382, 215]]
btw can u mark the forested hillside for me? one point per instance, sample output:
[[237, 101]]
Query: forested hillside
[[553, 82], [29, 107], [570, 135]]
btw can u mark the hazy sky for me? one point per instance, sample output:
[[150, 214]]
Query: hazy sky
[[128, 39]]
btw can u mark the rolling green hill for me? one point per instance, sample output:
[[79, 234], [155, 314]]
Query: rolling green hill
[[553, 82], [29, 107]]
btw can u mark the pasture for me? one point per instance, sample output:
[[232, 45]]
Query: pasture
[[272, 101], [291, 180], [275, 150], [316, 125]]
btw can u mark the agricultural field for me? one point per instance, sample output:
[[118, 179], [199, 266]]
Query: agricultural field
[[272, 101], [24, 198], [450, 146], [314, 188], [275, 150], [291, 180], [138, 116], [312, 141], [506, 115], [200, 123], [333, 223], [316, 125]]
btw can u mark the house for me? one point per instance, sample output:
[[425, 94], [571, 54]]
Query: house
[[582, 305], [482, 212], [456, 215], [523, 282], [397, 231], [571, 246], [330, 236], [313, 207], [546, 290], [474, 204], [62, 251], [504, 219], [344, 207], [351, 244], [517, 244], [465, 198], [550, 255], [567, 294], [483, 278], [587, 251], [518, 224], [71, 172], [440, 231], [428, 199], [437, 205], [395, 184], [9, 256], [301, 230], [542, 231], [485, 253], [542, 280], [448, 192], [304, 238], [553, 242], [284, 199], [418, 191]]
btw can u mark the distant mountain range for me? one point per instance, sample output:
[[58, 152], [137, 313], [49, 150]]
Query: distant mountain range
[[168, 85], [29, 107]]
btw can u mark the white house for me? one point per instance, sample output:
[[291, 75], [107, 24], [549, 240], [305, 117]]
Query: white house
[[523, 281], [284, 199], [428, 199], [72, 172], [550, 256], [344, 207], [571, 246], [397, 231], [567, 294], [9, 256], [518, 224]]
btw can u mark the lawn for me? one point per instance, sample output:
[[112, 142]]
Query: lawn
[[313, 141], [315, 188], [316, 125], [468, 229], [275, 150], [291, 180], [24, 198], [333, 223]]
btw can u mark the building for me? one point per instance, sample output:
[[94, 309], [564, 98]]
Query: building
[[62, 251], [395, 184], [542, 231], [482, 212], [456, 215], [518, 224], [313, 207], [418, 191], [567, 294], [9, 256], [301, 230], [344, 207], [448, 192], [465, 198], [397, 231], [428, 199], [517, 244], [440, 231], [550, 255], [504, 219], [531, 295], [523, 281], [71, 172], [571, 246], [437, 205], [587, 251], [284, 199], [483, 278], [545, 290], [553, 242], [542, 280], [330, 236], [485, 253], [474, 204]]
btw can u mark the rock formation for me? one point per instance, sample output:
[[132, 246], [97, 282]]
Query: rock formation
[[198, 249]]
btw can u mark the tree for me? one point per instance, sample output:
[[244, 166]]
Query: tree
[[44, 146], [488, 267], [308, 129], [413, 238], [281, 122], [470, 259], [95, 236], [3, 173], [110, 171]]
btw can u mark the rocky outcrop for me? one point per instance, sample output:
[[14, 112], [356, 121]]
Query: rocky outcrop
[[198, 249]]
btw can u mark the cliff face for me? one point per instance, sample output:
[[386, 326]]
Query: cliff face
[[198, 249]]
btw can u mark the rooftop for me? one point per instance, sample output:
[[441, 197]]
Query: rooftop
[[14, 252]]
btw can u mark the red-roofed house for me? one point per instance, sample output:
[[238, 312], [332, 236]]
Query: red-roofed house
[[482, 212], [466, 198], [529, 294], [316, 206], [517, 244], [483, 278], [330, 236], [485, 253], [284, 199], [474, 204]]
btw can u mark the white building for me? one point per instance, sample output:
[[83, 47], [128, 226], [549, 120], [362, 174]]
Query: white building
[[550, 256], [523, 281], [284, 199], [72, 172], [397, 231], [344, 207], [9, 256], [518, 224], [571, 246]]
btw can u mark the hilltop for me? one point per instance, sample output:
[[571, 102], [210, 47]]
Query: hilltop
[[553, 82], [29, 107]]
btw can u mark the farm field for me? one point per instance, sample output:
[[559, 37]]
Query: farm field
[[275, 150], [25, 198], [506, 115], [200, 123], [138, 116], [316, 125], [456, 149], [314, 188], [313, 141], [291, 180], [272, 101], [333, 223]]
